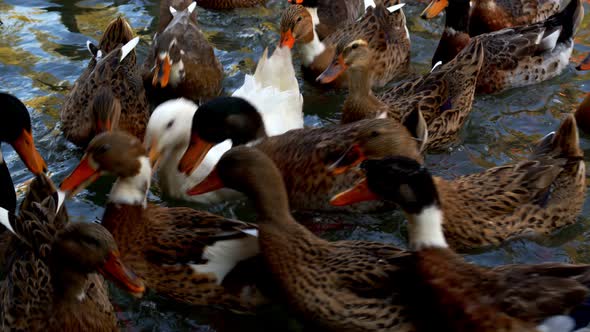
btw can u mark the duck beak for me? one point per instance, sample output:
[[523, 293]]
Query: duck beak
[[359, 193], [194, 155], [162, 71], [336, 68], [84, 174], [211, 183], [25, 147], [115, 271], [287, 39], [351, 158], [434, 8], [585, 64], [154, 154], [103, 126]]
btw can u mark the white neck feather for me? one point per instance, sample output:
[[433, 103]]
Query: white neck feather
[[133, 190], [5, 219], [315, 47], [426, 229]]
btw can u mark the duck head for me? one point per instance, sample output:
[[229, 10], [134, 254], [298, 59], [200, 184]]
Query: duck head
[[169, 129], [106, 109], [355, 55], [216, 121], [118, 32], [296, 26], [83, 248], [306, 3], [407, 183], [117, 153], [169, 53], [15, 129]]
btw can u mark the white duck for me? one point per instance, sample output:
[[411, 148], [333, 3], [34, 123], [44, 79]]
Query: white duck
[[273, 90]]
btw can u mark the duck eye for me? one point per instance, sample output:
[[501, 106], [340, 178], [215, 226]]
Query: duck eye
[[299, 18], [169, 124], [374, 134], [355, 46]]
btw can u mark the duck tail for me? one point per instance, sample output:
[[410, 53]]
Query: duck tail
[[470, 59], [564, 143], [117, 32]]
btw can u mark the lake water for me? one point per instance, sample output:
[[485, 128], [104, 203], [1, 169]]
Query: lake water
[[43, 50]]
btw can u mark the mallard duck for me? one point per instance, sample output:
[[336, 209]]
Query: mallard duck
[[52, 282], [493, 15], [443, 97], [516, 56], [302, 154], [181, 62], [111, 85], [358, 285], [273, 91], [329, 15], [383, 28], [536, 196], [187, 255]]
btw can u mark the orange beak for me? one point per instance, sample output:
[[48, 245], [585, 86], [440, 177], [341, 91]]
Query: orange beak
[[103, 126], [351, 158], [434, 8], [336, 68], [25, 147], [162, 72], [585, 64], [211, 183], [194, 155], [154, 154], [287, 39], [81, 177], [359, 193], [115, 271]]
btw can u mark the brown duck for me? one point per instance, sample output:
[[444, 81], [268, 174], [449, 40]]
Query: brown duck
[[443, 97], [532, 197], [329, 15], [493, 15], [302, 155], [360, 285], [181, 62], [52, 282], [187, 255], [385, 32], [111, 83]]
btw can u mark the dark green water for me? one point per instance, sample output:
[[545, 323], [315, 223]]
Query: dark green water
[[42, 52]]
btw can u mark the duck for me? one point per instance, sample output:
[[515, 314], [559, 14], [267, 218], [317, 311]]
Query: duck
[[112, 84], [462, 296], [582, 113], [303, 155], [514, 57], [52, 281], [273, 91], [532, 197], [181, 62], [165, 16], [383, 28], [189, 256], [443, 98], [493, 15], [229, 4], [328, 15], [358, 285]]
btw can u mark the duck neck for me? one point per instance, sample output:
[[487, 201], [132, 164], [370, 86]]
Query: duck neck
[[133, 190], [457, 16], [7, 194], [271, 200], [359, 81], [68, 285], [315, 47], [425, 229], [313, 12]]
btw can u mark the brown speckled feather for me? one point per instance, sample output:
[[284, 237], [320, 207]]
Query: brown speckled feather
[[335, 14], [229, 4]]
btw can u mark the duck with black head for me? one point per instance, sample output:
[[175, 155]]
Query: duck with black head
[[461, 296], [188, 255], [52, 280]]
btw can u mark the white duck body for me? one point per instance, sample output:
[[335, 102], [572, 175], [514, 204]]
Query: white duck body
[[273, 90]]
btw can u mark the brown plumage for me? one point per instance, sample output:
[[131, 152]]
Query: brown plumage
[[443, 97], [181, 62], [332, 14], [122, 81], [165, 16], [460, 296], [532, 197], [360, 285], [176, 251], [385, 33], [229, 4], [51, 282]]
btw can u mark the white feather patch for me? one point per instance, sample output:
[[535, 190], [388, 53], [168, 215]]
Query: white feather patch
[[191, 7], [559, 323], [172, 10], [426, 229], [550, 41], [223, 256], [395, 7], [127, 48], [88, 43], [61, 198], [370, 3], [251, 232], [133, 190], [5, 219], [436, 65]]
